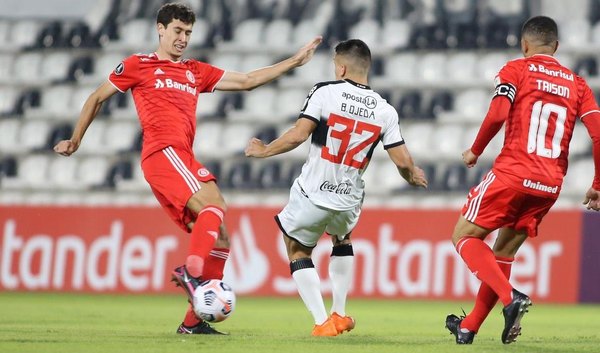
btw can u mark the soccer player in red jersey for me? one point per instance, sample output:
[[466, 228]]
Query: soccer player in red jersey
[[165, 90], [538, 100]]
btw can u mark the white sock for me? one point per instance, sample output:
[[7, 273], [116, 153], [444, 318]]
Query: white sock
[[341, 271], [309, 287]]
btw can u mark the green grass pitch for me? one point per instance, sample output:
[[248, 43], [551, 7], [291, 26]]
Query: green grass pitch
[[43, 322]]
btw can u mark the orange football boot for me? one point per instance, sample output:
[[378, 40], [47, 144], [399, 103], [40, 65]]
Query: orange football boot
[[325, 329], [342, 323]]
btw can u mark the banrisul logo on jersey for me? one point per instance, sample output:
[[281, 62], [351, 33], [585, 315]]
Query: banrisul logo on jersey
[[169, 83]]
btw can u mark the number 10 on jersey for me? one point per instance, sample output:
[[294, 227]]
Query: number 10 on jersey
[[538, 129]]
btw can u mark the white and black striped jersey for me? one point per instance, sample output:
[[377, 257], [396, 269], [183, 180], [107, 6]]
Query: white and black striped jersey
[[351, 120]]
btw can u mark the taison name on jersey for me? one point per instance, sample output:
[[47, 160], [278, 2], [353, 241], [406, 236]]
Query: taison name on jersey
[[169, 83], [553, 88]]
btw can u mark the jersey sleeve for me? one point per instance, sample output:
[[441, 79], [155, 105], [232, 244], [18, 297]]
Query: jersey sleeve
[[313, 105], [506, 82], [392, 136], [588, 103], [207, 75], [126, 74]]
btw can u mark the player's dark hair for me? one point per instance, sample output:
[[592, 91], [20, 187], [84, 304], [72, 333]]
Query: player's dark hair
[[355, 48], [175, 11], [542, 28]]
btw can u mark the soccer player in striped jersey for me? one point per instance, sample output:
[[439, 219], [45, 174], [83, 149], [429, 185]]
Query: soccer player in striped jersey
[[539, 101], [165, 89], [346, 120]]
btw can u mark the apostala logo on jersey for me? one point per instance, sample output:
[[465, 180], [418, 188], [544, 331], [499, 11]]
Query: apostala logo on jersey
[[169, 83], [368, 101]]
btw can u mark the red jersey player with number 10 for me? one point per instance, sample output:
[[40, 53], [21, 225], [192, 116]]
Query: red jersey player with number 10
[[539, 101], [165, 90]]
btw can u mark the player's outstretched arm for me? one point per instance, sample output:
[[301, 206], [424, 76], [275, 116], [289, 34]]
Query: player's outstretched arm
[[411, 173], [237, 81], [290, 139], [88, 113]]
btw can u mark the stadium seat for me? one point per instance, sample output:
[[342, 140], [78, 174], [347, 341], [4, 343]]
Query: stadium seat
[[278, 34], [80, 67], [226, 61], [454, 178], [26, 68], [586, 67], [255, 61], [8, 167], [258, 105], [135, 34], [239, 176], [401, 67], [93, 141], [472, 104], [5, 25], [201, 36], [62, 173], [80, 36], [575, 32], [432, 67], [9, 133], [581, 143], [441, 101], [49, 36], [6, 67], [409, 105], [120, 136], [270, 176], [579, 177], [55, 67], [24, 33], [92, 171], [417, 137], [247, 34], [368, 30], [8, 100], [489, 65], [55, 104], [447, 141], [395, 34], [209, 139], [118, 171], [103, 66], [288, 103], [33, 172], [209, 104], [34, 135], [461, 67], [235, 138]]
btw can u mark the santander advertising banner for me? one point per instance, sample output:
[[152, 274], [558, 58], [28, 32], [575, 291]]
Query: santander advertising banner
[[399, 254]]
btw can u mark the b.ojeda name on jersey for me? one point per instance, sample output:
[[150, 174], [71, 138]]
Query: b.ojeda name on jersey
[[366, 112]]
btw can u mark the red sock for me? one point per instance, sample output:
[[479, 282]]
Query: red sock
[[486, 299], [481, 261], [205, 233], [190, 318], [215, 263]]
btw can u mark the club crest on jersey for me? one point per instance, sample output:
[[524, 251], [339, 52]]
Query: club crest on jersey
[[119, 69], [190, 76], [203, 172]]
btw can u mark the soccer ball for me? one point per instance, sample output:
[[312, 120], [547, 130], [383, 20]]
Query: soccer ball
[[214, 301]]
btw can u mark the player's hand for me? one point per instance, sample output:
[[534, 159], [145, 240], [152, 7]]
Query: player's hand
[[256, 148], [592, 199], [307, 51], [66, 147], [469, 158], [418, 178]]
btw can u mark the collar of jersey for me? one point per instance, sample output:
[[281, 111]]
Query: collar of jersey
[[545, 56], [359, 85]]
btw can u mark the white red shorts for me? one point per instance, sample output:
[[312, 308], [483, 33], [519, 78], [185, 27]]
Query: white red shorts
[[174, 176], [492, 205], [306, 222]]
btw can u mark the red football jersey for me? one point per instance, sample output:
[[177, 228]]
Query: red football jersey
[[165, 95], [547, 98]]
